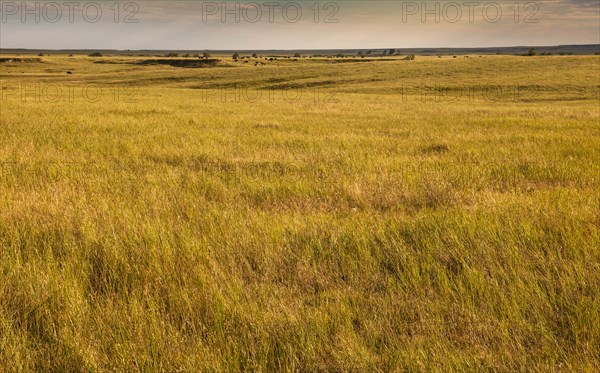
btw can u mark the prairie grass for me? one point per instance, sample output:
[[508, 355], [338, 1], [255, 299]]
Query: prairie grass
[[428, 215]]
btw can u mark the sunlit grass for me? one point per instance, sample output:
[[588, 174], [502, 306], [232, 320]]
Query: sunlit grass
[[438, 214]]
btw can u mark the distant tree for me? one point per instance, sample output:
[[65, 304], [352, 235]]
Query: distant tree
[[186, 55], [385, 52], [206, 55], [40, 54], [235, 56], [392, 52], [254, 55], [532, 52], [172, 54], [95, 54], [369, 53]]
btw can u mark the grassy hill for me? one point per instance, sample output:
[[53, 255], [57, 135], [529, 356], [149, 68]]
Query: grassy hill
[[430, 215]]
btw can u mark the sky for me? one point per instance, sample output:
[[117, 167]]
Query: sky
[[271, 24]]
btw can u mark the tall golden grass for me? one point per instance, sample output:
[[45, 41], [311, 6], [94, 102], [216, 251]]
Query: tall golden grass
[[428, 215]]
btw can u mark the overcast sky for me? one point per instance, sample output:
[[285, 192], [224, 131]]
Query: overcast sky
[[271, 24]]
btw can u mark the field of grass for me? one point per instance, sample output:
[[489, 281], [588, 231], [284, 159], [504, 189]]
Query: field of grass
[[432, 215]]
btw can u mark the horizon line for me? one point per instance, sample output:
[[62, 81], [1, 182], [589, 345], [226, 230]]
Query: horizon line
[[303, 49]]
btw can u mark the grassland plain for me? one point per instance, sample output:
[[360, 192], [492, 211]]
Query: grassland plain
[[432, 215]]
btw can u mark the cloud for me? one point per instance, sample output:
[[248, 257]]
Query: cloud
[[358, 24]]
